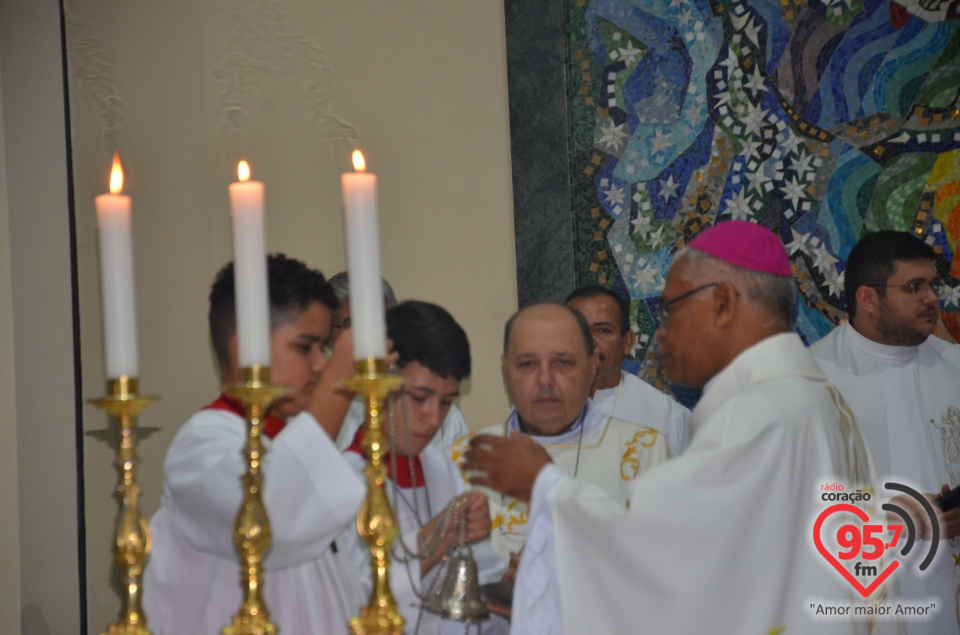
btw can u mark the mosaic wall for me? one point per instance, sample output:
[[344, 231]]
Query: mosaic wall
[[820, 120]]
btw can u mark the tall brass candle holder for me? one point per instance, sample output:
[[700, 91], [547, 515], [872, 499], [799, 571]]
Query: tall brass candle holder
[[252, 526], [375, 520], [131, 536]]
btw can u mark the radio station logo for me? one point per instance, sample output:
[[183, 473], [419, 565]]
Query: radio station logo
[[855, 547]]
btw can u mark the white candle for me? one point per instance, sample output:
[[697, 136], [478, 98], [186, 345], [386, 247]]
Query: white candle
[[363, 261], [116, 279], [250, 270]]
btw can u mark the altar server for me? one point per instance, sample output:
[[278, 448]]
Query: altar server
[[904, 389], [718, 540], [453, 425], [192, 582], [429, 496]]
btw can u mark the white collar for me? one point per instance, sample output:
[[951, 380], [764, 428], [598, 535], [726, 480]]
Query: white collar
[[590, 417], [883, 353], [781, 355]]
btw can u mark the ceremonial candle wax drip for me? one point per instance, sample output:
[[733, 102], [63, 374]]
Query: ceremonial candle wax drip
[[363, 259], [250, 270], [116, 279]]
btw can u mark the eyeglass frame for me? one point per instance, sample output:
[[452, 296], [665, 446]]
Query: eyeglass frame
[[343, 325], [915, 287], [663, 309]]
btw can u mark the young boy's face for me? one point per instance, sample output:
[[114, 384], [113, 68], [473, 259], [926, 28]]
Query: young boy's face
[[296, 357], [428, 399]]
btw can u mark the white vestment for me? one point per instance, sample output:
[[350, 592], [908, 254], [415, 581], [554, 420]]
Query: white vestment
[[452, 428], [610, 454], [637, 401], [906, 400], [192, 583], [716, 541], [443, 482]]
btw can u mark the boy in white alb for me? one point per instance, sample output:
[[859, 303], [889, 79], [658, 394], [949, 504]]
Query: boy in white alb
[[192, 582], [453, 426], [425, 489]]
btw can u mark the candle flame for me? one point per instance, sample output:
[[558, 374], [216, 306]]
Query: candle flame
[[243, 171], [116, 175], [358, 163]]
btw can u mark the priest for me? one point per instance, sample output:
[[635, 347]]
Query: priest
[[548, 366], [616, 392], [901, 385], [718, 540]]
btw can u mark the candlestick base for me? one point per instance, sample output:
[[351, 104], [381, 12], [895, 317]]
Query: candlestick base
[[374, 621], [126, 629], [251, 625], [375, 520], [131, 537], [252, 527]]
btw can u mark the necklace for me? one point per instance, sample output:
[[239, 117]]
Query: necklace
[[415, 505], [576, 465], [583, 424], [504, 526], [451, 518], [616, 395]]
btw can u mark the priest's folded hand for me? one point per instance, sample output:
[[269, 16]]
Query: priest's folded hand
[[508, 465]]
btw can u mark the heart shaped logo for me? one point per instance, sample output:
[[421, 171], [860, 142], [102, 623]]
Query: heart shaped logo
[[862, 515]]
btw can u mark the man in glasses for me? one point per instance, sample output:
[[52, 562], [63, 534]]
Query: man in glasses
[[340, 283], [903, 386], [616, 392], [717, 540]]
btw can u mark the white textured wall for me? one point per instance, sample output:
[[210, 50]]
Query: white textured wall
[[419, 86], [9, 494], [39, 581]]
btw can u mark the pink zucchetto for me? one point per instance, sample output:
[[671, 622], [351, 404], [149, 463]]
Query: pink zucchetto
[[745, 245]]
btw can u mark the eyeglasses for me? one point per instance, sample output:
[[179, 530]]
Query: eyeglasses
[[343, 325], [663, 309], [916, 287]]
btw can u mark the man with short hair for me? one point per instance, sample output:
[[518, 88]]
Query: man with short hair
[[616, 392], [902, 386], [192, 579], [340, 283], [548, 365], [717, 540]]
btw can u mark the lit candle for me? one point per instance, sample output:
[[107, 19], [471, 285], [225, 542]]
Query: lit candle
[[363, 261], [116, 279], [250, 270]]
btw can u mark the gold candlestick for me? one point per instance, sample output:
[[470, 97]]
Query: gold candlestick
[[252, 527], [131, 536], [375, 520]]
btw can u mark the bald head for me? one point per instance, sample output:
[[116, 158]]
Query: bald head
[[548, 367], [550, 310]]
